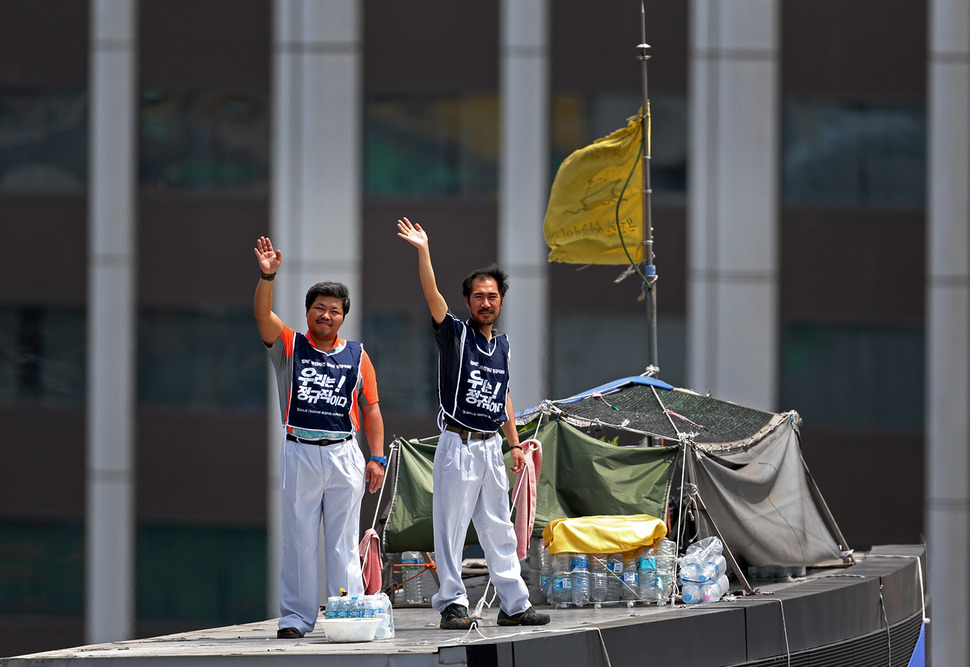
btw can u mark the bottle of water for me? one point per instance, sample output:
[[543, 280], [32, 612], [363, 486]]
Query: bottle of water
[[598, 578], [561, 586], [647, 580], [545, 572], [333, 602], [666, 569], [628, 587], [692, 592], [712, 591], [580, 576], [614, 577], [412, 562]]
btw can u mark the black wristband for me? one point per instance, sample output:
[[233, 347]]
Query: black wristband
[[511, 447], [266, 276]]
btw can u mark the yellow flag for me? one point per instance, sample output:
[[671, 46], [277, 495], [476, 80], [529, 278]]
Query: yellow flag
[[581, 219]]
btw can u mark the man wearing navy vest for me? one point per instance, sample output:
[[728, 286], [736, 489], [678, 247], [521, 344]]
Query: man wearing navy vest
[[470, 482], [323, 381]]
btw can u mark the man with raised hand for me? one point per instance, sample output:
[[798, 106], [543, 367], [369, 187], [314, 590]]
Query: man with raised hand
[[326, 385], [470, 482]]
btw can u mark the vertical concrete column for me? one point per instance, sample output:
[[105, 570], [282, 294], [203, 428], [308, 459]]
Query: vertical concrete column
[[110, 511], [316, 183], [732, 276], [523, 191], [948, 327]]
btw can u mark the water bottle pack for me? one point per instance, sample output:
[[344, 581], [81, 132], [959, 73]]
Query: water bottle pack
[[364, 607], [703, 572]]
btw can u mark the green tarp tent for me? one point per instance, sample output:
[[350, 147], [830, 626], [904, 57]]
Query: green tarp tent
[[580, 476]]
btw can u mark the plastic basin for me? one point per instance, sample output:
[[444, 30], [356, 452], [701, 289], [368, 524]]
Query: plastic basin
[[343, 630]]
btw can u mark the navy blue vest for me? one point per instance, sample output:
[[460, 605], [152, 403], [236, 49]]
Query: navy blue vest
[[322, 392], [473, 376]]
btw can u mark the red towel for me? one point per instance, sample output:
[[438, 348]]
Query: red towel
[[370, 561], [525, 495]]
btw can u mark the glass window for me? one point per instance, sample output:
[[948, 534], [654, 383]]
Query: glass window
[[853, 376], [42, 354], [212, 575], [43, 140], [431, 146], [41, 569], [204, 140], [209, 357], [844, 153], [590, 351], [405, 356], [579, 120]]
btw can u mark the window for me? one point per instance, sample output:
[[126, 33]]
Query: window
[[204, 141], [853, 376], [210, 357], [844, 153], [405, 357], [42, 355], [43, 140], [431, 146]]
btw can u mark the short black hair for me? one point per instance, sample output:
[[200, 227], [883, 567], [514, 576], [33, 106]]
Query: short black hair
[[493, 271], [329, 288]]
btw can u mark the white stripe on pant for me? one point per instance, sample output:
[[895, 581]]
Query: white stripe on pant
[[319, 482], [471, 484]]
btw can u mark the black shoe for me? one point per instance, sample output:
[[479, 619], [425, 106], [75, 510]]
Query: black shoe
[[288, 633], [455, 617], [528, 617]]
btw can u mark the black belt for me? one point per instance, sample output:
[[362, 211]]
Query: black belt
[[469, 435], [322, 442]]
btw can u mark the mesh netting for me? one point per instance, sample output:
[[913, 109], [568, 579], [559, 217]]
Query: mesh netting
[[635, 407]]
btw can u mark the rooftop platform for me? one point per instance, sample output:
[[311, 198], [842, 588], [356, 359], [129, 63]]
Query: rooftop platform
[[869, 613]]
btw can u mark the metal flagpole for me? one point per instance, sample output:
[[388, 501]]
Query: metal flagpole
[[649, 269]]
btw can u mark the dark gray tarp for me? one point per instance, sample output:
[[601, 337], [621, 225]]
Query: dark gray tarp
[[761, 501]]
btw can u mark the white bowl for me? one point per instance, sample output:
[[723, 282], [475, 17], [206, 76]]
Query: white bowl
[[342, 630]]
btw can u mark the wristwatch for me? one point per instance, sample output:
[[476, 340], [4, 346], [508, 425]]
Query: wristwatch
[[380, 459]]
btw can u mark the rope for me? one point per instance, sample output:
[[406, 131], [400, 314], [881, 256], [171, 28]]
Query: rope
[[784, 627], [380, 497]]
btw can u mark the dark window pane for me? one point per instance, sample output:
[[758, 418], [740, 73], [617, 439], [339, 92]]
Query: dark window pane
[[434, 146], [209, 357], [42, 355], [860, 154], [405, 356], [42, 569], [853, 376], [204, 140], [43, 140]]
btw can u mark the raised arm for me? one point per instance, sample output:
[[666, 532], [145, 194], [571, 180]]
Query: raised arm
[[413, 234], [269, 323]]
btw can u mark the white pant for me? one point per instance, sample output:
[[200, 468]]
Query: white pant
[[470, 483], [319, 482]]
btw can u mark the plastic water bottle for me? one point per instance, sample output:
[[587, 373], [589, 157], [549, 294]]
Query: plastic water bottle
[[412, 562], [561, 586], [598, 578], [712, 592], [333, 603], [666, 569], [648, 582], [708, 570], [580, 577], [628, 587], [614, 564], [692, 592], [545, 571], [385, 628]]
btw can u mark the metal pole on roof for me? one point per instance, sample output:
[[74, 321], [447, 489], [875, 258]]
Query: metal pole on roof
[[649, 269]]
